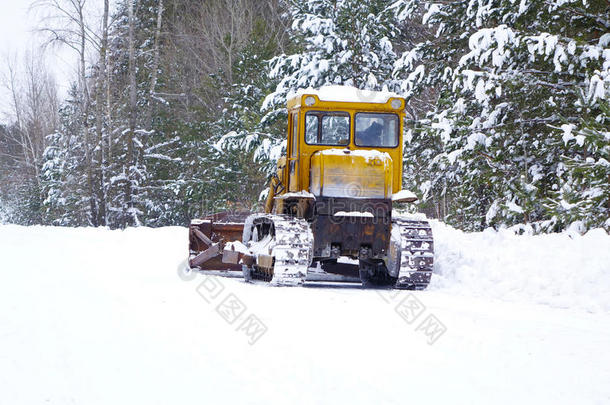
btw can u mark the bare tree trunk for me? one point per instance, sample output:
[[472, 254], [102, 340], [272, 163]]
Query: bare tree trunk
[[82, 38], [101, 172], [34, 97], [34, 131], [109, 108], [72, 31], [16, 105], [129, 192], [155, 65], [35, 110]]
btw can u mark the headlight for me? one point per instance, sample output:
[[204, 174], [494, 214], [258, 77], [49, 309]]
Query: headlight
[[396, 103], [309, 101]]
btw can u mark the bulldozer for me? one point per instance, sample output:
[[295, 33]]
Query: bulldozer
[[329, 209]]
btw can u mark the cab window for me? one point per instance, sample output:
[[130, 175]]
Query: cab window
[[377, 130], [327, 128]]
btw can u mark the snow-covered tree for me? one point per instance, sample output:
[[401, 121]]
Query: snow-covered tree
[[509, 74], [346, 42], [584, 192], [242, 143], [64, 170]]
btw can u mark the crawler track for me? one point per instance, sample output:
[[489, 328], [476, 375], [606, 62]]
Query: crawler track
[[416, 253], [288, 240]]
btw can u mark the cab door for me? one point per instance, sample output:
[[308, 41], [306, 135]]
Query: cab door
[[293, 154]]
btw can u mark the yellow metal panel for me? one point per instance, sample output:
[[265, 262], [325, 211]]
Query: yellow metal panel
[[293, 161], [350, 175], [315, 181]]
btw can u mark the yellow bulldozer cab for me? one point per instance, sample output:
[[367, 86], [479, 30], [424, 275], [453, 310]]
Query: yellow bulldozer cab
[[343, 142]]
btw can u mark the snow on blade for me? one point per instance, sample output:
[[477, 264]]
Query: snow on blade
[[347, 260], [237, 246]]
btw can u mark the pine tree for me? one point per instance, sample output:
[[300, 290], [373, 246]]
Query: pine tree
[[64, 171], [509, 75], [243, 142], [584, 193], [346, 42]]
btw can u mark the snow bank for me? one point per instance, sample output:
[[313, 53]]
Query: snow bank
[[561, 270]]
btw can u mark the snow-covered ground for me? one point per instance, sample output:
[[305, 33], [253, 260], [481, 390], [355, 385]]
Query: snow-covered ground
[[92, 316]]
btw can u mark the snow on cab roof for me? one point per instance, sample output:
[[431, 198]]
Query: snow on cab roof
[[346, 94]]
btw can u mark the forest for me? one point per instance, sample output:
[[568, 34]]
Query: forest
[[178, 107]]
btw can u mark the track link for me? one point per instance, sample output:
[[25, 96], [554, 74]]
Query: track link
[[416, 253], [291, 247]]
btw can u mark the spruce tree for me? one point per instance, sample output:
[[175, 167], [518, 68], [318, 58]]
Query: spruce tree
[[509, 75]]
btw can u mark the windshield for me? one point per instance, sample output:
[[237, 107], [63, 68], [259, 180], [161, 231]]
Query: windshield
[[327, 128], [377, 129]]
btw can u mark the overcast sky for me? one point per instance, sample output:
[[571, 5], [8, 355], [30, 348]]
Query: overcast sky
[[17, 26]]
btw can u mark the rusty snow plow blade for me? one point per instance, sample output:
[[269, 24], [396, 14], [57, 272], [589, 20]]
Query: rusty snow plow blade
[[208, 237], [282, 258]]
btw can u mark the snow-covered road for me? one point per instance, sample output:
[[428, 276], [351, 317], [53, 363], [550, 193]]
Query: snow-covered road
[[92, 316]]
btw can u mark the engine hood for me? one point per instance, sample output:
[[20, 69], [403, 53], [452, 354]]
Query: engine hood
[[351, 173]]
